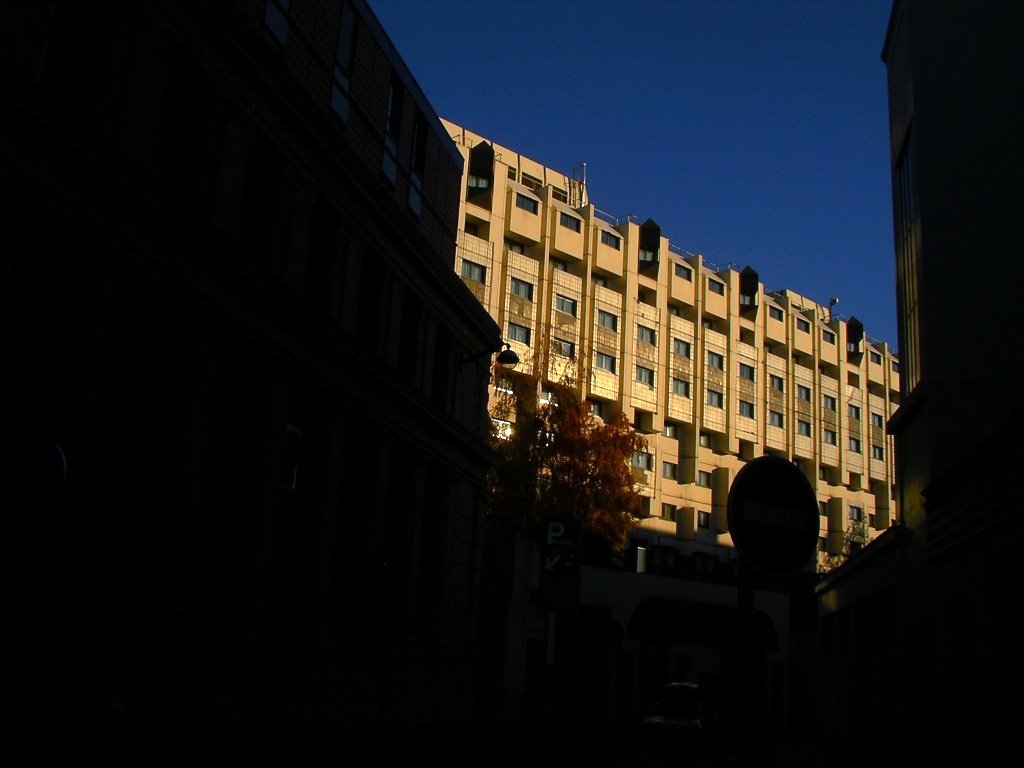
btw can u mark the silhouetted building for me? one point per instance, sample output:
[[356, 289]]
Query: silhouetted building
[[921, 638], [243, 391]]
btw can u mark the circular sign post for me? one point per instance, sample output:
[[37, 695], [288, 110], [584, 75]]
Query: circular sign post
[[773, 515], [773, 518]]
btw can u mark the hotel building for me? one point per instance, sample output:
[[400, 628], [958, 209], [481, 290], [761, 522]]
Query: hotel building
[[710, 366]]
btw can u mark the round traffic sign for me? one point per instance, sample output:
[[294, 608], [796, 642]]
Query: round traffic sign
[[773, 515]]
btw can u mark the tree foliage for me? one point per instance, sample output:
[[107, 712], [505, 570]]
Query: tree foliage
[[854, 539], [558, 462]]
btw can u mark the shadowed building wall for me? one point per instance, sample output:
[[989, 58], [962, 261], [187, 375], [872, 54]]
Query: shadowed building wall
[[243, 411]]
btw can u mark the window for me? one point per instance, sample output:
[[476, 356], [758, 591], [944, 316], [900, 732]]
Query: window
[[392, 128], [472, 228], [477, 182], [703, 478], [908, 252], [599, 280], [607, 320], [519, 333], [803, 428], [803, 325], [746, 372], [855, 444], [558, 265], [877, 420], [513, 247], [777, 383], [342, 62], [828, 337], [570, 222], [803, 393], [877, 452], [668, 512], [680, 387], [856, 514], [276, 18], [597, 409], [607, 238], [775, 313], [565, 304], [605, 362], [875, 358], [716, 360], [828, 436], [828, 402], [473, 271], [418, 162], [684, 272], [645, 375], [704, 439], [522, 288], [703, 519], [565, 348], [895, 367], [681, 347], [747, 299], [716, 399], [643, 460], [775, 419], [528, 204], [716, 287], [669, 470], [646, 256], [645, 334], [531, 181], [853, 411], [746, 409], [853, 347]]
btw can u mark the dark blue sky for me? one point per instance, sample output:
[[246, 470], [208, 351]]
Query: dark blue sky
[[753, 132]]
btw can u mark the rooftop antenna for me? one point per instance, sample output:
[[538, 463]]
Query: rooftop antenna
[[579, 177]]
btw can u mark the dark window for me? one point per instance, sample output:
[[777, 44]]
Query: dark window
[[570, 222], [343, 63], [519, 333], [526, 203], [565, 304], [473, 271]]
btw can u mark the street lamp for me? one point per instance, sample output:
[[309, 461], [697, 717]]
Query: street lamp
[[507, 358]]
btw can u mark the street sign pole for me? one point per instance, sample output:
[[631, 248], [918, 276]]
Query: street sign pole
[[773, 519]]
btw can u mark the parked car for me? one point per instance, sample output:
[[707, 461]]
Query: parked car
[[677, 722]]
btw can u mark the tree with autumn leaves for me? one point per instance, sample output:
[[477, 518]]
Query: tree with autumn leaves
[[559, 462]]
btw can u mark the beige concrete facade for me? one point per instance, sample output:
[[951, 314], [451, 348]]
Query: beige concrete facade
[[714, 369]]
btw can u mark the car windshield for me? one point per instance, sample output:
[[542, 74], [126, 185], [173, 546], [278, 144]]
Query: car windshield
[[678, 701]]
